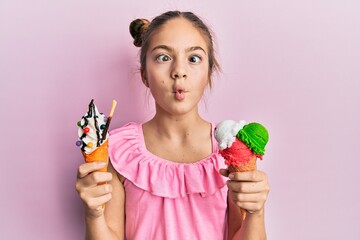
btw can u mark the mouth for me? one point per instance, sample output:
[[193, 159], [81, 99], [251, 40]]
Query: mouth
[[178, 91], [179, 94]]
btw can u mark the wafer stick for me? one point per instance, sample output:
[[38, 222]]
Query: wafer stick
[[113, 106]]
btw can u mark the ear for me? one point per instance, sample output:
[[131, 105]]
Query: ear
[[144, 79]]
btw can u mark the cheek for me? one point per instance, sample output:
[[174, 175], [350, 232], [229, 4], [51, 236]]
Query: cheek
[[157, 72], [204, 77]]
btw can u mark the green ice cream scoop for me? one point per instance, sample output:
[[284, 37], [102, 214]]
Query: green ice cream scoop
[[255, 136]]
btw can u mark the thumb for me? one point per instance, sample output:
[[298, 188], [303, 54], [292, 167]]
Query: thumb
[[224, 172]]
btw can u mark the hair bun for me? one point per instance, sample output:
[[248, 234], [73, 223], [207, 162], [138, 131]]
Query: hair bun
[[137, 29]]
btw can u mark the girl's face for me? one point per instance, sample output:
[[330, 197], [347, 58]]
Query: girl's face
[[177, 67]]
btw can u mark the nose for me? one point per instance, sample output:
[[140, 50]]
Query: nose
[[178, 70]]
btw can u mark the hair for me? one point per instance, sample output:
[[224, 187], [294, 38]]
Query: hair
[[142, 30]]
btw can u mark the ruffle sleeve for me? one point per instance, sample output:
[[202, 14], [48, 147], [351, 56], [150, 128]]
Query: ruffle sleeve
[[161, 177]]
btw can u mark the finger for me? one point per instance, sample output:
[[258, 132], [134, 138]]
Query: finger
[[224, 172], [250, 207], [98, 202], [247, 187], [95, 192], [246, 197], [86, 168], [249, 176], [92, 180], [99, 191]]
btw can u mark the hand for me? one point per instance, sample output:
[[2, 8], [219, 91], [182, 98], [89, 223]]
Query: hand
[[92, 194], [248, 190]]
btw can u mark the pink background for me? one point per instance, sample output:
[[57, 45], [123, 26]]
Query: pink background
[[292, 65]]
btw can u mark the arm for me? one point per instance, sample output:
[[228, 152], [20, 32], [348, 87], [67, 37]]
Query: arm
[[249, 191], [253, 227], [108, 222], [234, 218]]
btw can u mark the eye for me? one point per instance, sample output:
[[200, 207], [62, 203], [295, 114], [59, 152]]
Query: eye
[[195, 59], [163, 58]]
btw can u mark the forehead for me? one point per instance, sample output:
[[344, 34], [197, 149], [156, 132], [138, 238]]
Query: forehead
[[178, 33]]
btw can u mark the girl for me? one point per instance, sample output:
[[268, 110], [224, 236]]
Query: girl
[[164, 180]]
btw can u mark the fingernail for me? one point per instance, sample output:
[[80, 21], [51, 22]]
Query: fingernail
[[102, 163], [231, 176]]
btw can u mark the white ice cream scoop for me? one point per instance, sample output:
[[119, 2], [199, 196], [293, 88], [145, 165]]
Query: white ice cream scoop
[[225, 132]]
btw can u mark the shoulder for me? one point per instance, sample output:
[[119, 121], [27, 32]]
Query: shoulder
[[123, 141], [130, 128]]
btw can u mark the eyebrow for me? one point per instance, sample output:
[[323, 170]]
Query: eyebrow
[[170, 49], [191, 49]]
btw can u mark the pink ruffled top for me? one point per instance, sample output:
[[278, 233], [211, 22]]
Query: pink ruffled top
[[168, 200]]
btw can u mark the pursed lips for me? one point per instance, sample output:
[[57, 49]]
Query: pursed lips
[[179, 93]]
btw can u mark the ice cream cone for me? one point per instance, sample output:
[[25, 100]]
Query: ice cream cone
[[93, 136], [241, 144], [99, 155], [249, 166]]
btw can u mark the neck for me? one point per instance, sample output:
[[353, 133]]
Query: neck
[[178, 126]]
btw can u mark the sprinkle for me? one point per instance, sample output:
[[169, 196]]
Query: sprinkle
[[103, 126], [78, 143], [90, 144], [79, 123], [86, 130]]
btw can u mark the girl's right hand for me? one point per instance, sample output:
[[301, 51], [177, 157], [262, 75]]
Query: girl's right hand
[[92, 194]]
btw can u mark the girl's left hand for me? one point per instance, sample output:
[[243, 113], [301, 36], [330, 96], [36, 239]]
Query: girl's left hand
[[248, 190]]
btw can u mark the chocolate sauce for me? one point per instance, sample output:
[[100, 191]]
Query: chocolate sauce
[[91, 113], [106, 128]]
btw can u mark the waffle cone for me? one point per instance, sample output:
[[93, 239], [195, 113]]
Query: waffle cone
[[99, 155], [249, 166]]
